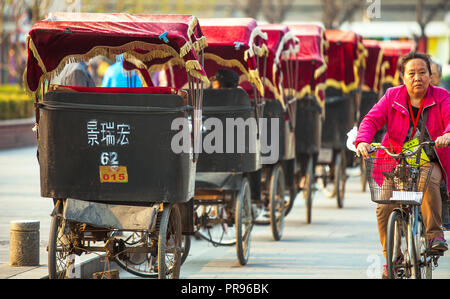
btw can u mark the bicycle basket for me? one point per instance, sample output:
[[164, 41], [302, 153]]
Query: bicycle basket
[[391, 182]]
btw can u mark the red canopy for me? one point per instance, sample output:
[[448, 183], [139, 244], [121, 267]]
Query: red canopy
[[393, 51], [281, 45], [310, 61], [67, 37], [234, 43], [373, 62], [346, 55]]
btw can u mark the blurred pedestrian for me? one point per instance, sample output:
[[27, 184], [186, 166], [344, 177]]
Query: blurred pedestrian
[[116, 76], [436, 72], [75, 74]]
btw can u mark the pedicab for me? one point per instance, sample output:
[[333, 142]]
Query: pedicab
[[342, 96], [310, 65], [393, 51], [278, 128], [370, 92], [229, 160], [105, 154]]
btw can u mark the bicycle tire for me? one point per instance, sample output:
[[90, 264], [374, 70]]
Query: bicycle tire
[[414, 255], [393, 236], [422, 249]]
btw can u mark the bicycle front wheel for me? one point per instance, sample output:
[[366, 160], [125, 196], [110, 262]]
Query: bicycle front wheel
[[397, 251]]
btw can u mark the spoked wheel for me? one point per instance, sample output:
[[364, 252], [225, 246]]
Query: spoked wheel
[[308, 189], [166, 258], [423, 262], [244, 222], [169, 243], [60, 246], [185, 247], [216, 224], [139, 264], [398, 254], [289, 198], [276, 201], [340, 178]]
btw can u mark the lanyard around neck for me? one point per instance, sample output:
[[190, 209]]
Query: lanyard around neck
[[416, 121]]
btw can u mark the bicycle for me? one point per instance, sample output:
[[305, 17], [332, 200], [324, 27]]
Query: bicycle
[[402, 179]]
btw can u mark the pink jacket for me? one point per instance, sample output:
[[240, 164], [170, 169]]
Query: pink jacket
[[392, 109]]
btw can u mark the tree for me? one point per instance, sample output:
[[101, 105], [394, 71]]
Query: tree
[[423, 21], [250, 8], [275, 10], [336, 12]]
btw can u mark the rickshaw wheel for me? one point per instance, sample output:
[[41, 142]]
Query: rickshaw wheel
[[219, 234], [244, 222], [308, 189], [340, 178], [185, 247], [58, 246], [169, 243], [291, 194], [362, 166], [276, 201]]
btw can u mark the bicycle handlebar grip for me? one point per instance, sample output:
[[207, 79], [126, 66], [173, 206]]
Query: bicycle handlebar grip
[[433, 143]]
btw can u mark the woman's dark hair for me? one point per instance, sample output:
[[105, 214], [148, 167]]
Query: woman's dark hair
[[415, 55]]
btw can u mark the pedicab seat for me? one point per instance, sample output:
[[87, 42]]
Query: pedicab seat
[[286, 135], [113, 147], [218, 181], [308, 126], [230, 104], [339, 118]]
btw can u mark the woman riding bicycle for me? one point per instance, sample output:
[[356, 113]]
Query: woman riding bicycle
[[403, 108]]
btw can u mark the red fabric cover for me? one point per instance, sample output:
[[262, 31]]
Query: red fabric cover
[[310, 56], [310, 42], [393, 51], [275, 34], [139, 90], [342, 53], [64, 34], [221, 35], [372, 64]]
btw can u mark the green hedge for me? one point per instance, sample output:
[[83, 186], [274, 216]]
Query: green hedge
[[15, 103]]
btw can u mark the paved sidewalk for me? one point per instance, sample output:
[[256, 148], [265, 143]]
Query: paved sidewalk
[[338, 243], [20, 199]]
